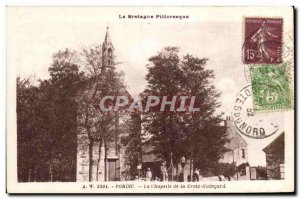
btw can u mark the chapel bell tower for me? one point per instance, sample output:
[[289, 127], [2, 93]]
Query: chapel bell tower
[[107, 52]]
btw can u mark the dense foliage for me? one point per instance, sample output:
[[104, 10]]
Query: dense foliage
[[198, 136]]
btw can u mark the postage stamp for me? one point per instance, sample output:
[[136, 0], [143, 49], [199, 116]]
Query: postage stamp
[[271, 89], [250, 124], [263, 40]]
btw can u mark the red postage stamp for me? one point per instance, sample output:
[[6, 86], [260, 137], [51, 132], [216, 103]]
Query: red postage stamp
[[263, 40]]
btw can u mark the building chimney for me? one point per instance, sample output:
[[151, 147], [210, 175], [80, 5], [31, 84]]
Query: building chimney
[[227, 121]]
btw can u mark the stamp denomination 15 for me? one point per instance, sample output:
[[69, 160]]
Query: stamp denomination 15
[[263, 40]]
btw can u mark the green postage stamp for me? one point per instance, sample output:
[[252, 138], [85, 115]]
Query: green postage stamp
[[271, 87]]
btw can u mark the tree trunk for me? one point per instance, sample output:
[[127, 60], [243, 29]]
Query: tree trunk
[[29, 175], [99, 158], [34, 174], [105, 161], [29, 171], [192, 167], [91, 144], [50, 173]]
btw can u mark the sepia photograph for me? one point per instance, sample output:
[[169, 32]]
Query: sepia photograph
[[150, 99]]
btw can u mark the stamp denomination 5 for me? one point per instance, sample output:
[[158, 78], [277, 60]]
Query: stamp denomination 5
[[247, 121], [271, 89]]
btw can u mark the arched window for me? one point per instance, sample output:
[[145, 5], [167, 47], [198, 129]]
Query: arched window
[[109, 53]]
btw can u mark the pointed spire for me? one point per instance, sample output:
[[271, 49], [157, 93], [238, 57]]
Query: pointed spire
[[107, 39]]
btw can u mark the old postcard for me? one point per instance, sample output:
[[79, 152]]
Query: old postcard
[[150, 100]]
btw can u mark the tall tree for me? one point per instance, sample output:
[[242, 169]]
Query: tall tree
[[165, 79], [46, 116], [198, 135], [65, 79], [133, 143], [205, 135], [27, 130]]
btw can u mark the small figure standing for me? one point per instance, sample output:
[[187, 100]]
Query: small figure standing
[[197, 175], [149, 175], [163, 169]]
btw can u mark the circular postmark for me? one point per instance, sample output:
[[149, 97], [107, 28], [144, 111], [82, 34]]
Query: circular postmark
[[250, 124]]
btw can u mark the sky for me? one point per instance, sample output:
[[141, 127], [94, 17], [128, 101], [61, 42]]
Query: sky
[[134, 43], [37, 38]]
